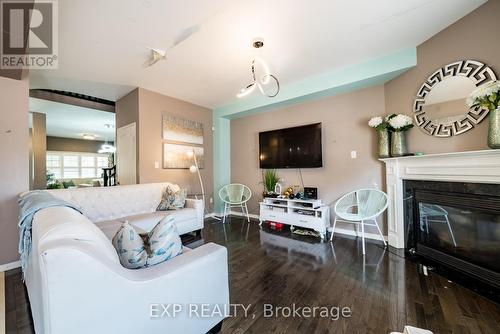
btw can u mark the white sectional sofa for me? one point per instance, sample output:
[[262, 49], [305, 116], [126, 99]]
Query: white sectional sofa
[[108, 207], [76, 283]]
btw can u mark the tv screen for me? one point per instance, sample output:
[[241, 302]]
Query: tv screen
[[297, 147]]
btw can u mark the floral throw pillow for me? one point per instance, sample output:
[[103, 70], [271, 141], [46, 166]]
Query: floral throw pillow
[[161, 244], [173, 199]]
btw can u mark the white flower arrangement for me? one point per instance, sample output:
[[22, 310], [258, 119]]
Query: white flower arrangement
[[486, 96], [400, 122], [375, 121]]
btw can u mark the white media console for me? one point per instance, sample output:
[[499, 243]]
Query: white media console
[[311, 214]]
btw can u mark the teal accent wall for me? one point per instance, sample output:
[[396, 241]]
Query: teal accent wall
[[373, 72], [222, 155]]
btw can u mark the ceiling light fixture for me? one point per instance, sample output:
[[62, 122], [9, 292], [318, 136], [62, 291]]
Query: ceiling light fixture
[[88, 136], [156, 56], [107, 148], [265, 80]]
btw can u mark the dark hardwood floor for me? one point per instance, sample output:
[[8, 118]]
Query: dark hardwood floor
[[17, 309], [383, 291]]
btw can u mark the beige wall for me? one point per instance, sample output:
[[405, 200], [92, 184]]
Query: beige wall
[[151, 107], [344, 124], [73, 145], [14, 150], [473, 37], [146, 108]]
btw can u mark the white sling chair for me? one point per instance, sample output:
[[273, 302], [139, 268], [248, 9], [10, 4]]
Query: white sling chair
[[235, 195], [360, 206]]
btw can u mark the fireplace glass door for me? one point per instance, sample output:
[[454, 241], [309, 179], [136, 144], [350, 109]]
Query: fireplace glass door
[[457, 224], [468, 234]]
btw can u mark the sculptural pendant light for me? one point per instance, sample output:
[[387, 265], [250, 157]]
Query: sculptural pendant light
[[263, 81]]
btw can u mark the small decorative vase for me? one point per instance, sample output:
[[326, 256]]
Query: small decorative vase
[[398, 144], [494, 129], [383, 143]]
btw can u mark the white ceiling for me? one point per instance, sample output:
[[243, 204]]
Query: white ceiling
[[68, 121], [103, 44]]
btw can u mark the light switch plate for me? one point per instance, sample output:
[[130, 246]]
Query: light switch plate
[[157, 164], [354, 154]]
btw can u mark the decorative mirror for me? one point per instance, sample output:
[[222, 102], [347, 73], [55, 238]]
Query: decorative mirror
[[441, 109]]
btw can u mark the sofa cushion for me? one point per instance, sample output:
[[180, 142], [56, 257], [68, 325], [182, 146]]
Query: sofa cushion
[[130, 247], [145, 222], [173, 198], [139, 251], [111, 227]]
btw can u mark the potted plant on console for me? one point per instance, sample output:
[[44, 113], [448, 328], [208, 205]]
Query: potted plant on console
[[270, 179], [488, 97]]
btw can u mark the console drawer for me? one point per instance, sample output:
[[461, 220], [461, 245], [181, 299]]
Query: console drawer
[[273, 215]]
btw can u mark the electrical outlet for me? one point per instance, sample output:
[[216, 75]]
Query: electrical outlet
[[211, 200], [354, 154]]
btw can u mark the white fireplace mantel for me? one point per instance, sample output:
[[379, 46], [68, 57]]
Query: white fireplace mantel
[[473, 166]]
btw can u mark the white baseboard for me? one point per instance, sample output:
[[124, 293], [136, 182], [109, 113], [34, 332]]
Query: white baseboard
[[241, 214], [373, 236], [234, 213], [9, 266]]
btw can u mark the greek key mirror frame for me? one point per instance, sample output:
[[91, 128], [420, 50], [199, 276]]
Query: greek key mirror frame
[[478, 72]]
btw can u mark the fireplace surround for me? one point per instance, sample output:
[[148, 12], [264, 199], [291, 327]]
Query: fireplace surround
[[453, 196]]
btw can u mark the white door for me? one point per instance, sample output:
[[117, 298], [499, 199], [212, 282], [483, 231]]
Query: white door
[[126, 155]]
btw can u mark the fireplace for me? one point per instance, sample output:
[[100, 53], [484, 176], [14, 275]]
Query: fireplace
[[455, 225]]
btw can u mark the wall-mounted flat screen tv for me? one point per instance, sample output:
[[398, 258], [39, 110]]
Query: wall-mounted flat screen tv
[[297, 147]]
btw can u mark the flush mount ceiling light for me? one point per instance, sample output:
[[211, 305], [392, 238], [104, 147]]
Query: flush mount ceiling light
[[263, 81]]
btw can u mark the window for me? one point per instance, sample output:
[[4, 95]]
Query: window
[[54, 165], [74, 165]]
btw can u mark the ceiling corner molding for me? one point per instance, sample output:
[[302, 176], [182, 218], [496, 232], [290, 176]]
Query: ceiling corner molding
[[75, 99], [370, 73]]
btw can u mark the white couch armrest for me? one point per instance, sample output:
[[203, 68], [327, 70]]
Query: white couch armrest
[[200, 209], [86, 294]]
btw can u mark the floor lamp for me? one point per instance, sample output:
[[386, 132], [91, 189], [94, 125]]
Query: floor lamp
[[195, 169]]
